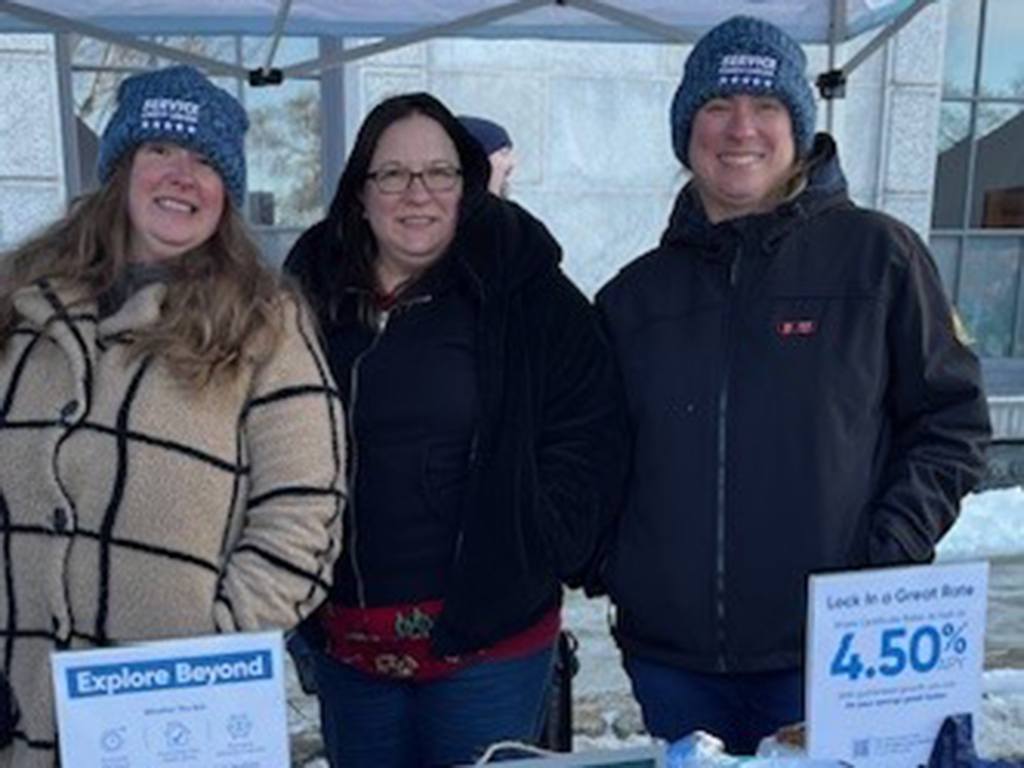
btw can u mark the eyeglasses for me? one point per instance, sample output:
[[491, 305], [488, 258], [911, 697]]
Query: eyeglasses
[[394, 180]]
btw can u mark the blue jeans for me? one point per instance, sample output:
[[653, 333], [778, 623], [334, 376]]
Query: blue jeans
[[740, 709], [374, 721]]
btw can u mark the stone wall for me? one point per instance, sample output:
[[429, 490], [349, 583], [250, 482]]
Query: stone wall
[[31, 169]]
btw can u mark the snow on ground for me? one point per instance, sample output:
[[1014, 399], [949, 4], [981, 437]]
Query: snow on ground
[[991, 525]]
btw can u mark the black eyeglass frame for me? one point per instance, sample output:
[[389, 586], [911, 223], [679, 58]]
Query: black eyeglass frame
[[448, 174]]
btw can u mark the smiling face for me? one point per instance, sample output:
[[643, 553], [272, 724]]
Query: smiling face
[[741, 151], [414, 227], [175, 201]]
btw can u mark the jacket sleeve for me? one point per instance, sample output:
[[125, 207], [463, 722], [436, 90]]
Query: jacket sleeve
[[279, 568], [582, 448], [938, 412]]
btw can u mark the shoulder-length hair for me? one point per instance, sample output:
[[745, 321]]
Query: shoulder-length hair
[[347, 211], [222, 307]]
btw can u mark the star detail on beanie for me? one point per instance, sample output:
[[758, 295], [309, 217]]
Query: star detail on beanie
[[753, 82], [169, 115]]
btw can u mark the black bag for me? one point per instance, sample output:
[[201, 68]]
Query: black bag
[[9, 714], [556, 732]]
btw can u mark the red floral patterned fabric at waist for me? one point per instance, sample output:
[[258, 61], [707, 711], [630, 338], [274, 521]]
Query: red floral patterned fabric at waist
[[394, 640]]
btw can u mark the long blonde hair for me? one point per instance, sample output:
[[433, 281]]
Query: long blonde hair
[[223, 305]]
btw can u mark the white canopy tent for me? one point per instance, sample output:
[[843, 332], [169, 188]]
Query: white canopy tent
[[397, 23], [401, 22]]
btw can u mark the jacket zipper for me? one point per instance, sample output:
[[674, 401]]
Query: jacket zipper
[[723, 413], [474, 445], [381, 322]]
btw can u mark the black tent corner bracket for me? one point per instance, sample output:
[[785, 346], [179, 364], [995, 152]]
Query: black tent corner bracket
[[262, 76], [832, 84]]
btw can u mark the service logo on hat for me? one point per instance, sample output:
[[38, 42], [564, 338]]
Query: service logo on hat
[[179, 105], [744, 55]]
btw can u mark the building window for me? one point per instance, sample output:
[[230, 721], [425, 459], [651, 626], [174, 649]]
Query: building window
[[979, 184]]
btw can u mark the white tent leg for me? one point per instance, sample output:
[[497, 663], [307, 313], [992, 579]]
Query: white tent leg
[[66, 112], [836, 33]]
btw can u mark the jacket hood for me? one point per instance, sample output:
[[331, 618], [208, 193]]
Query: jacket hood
[[825, 189]]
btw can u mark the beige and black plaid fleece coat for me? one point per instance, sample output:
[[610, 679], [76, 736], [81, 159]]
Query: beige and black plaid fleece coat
[[131, 508]]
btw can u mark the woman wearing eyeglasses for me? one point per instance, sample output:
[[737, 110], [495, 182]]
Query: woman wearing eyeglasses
[[486, 446]]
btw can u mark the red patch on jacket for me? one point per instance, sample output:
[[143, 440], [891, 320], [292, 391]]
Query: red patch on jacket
[[797, 327]]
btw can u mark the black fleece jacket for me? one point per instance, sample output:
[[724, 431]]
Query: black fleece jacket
[[548, 459], [800, 401]]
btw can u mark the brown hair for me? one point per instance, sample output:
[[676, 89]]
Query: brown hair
[[223, 305]]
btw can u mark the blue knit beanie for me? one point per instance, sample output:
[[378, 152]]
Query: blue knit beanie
[[744, 55], [179, 105], [491, 136]]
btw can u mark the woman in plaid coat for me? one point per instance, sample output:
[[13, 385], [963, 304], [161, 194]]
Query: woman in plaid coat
[[170, 441]]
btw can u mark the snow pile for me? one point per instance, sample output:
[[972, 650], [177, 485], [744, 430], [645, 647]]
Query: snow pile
[[991, 525]]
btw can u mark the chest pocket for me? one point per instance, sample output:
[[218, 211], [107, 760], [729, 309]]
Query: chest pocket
[[821, 346]]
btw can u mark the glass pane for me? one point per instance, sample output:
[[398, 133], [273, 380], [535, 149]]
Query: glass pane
[[962, 20], [284, 153], [89, 52], [951, 166], [1002, 61], [945, 250], [95, 95], [988, 290], [998, 192]]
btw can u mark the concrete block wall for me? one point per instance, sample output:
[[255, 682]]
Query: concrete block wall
[[887, 126], [31, 168], [589, 123]]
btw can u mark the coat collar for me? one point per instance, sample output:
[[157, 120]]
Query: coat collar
[[44, 305], [825, 188]]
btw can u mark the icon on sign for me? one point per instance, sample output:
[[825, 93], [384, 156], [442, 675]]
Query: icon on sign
[[112, 739], [239, 726], [177, 735]]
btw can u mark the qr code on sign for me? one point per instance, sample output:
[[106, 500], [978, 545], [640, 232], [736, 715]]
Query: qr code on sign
[[861, 747]]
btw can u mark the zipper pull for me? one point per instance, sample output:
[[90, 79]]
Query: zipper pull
[[382, 320]]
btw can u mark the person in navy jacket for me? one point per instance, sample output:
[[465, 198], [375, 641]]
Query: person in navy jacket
[[801, 395]]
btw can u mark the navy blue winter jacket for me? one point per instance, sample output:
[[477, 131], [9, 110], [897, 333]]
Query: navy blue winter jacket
[[548, 455], [800, 402]]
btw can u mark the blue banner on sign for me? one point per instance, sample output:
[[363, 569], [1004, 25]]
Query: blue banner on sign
[[148, 676]]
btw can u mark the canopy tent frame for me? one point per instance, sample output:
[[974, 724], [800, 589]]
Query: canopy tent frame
[[831, 84]]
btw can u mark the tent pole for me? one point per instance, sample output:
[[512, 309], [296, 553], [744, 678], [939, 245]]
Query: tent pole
[[275, 36], [66, 111], [888, 32], [332, 122], [836, 30]]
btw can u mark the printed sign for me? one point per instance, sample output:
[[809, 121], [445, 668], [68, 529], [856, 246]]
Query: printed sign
[[215, 702], [891, 653]]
